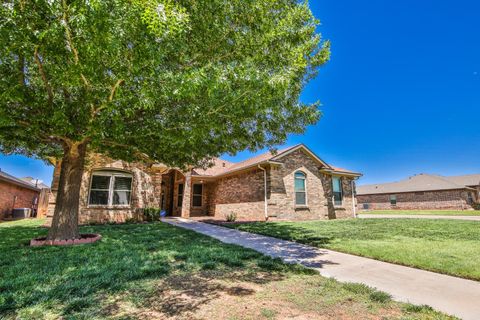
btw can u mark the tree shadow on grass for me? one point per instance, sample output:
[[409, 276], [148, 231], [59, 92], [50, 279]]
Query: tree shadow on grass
[[76, 279]]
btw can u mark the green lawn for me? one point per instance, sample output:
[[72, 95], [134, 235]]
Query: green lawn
[[445, 246], [426, 212], [156, 271]]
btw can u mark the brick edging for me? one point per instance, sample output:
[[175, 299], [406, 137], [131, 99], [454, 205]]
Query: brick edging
[[85, 238]]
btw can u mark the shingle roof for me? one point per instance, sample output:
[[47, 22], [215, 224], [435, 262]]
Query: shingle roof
[[219, 166], [38, 183], [420, 182], [222, 167], [11, 179], [467, 180]]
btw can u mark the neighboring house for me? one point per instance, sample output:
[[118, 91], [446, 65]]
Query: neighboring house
[[16, 193], [36, 182], [293, 184], [422, 191]]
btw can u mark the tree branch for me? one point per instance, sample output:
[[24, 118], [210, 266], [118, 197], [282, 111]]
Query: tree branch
[[140, 155], [68, 34], [114, 89], [43, 75]]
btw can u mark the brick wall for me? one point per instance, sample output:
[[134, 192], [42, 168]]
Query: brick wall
[[444, 199], [281, 198], [8, 192], [241, 194]]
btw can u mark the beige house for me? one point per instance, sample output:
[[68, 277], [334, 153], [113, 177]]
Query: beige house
[[293, 184]]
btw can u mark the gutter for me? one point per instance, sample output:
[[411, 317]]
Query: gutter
[[265, 189]]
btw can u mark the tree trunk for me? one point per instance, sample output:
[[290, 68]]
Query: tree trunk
[[65, 217]]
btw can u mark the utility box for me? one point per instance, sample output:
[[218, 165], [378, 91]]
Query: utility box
[[21, 213]]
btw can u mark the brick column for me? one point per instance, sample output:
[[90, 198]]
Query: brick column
[[157, 187], [187, 195]]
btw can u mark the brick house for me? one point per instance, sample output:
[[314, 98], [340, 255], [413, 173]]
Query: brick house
[[16, 193], [293, 184], [422, 192]]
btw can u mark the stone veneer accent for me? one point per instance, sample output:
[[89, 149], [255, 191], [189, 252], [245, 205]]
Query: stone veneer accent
[[425, 200], [146, 190], [281, 195]]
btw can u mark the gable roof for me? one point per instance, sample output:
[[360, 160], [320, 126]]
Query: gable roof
[[18, 182], [416, 183], [223, 167]]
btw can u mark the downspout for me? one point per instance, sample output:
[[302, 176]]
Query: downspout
[[265, 188], [353, 199]]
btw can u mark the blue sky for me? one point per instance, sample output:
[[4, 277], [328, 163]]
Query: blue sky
[[401, 94]]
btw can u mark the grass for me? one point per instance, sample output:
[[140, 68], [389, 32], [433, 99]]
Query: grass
[[426, 212], [446, 246], [157, 271]]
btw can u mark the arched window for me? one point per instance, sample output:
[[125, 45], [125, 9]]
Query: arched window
[[300, 189], [110, 188]]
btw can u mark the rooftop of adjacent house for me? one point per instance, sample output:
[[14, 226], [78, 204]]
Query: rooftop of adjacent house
[[221, 167], [36, 182], [422, 182], [16, 181]]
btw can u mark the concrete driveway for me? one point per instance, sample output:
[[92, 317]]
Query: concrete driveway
[[455, 296], [416, 216]]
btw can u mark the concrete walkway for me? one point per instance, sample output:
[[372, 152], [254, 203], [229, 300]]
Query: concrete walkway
[[416, 216], [455, 296]]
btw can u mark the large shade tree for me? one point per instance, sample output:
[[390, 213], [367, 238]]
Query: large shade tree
[[172, 81]]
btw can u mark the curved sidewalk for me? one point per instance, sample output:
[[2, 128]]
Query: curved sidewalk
[[455, 296], [416, 216]]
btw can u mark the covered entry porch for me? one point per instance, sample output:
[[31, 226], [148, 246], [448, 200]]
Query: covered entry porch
[[184, 195]]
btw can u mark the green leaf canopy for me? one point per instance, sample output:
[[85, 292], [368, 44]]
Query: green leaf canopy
[[172, 81]]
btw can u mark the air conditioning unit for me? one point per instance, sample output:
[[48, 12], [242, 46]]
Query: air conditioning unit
[[21, 213]]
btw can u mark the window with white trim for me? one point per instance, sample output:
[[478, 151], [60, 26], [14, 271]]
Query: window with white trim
[[393, 199], [197, 195], [337, 191], [110, 188], [300, 189]]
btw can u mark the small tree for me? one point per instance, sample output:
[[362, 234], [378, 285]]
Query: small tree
[[173, 81]]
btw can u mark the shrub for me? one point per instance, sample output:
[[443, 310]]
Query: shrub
[[151, 214], [131, 220], [476, 206], [231, 217]]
